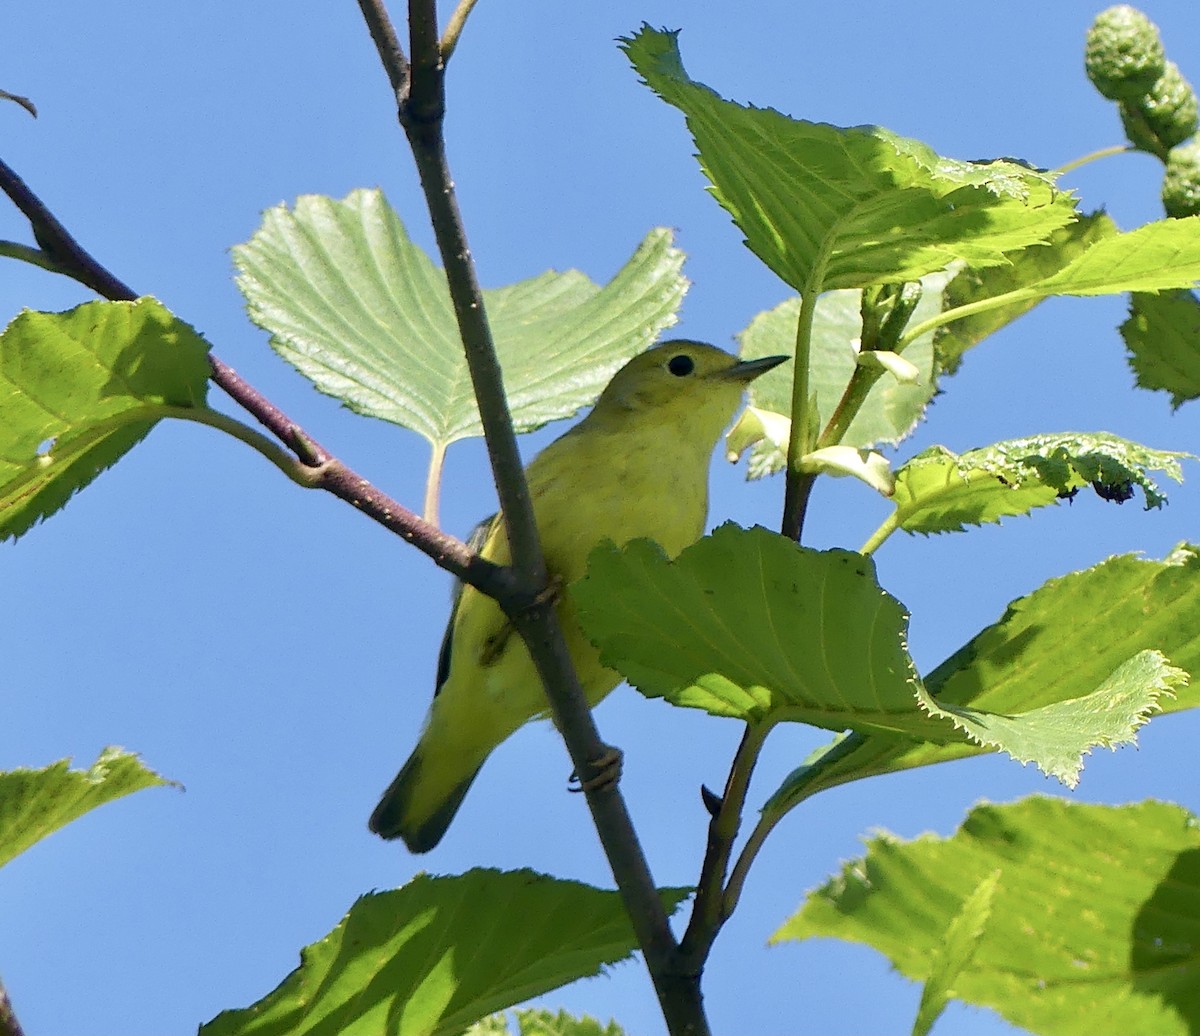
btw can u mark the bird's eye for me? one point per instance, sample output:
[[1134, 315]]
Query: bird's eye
[[681, 366]]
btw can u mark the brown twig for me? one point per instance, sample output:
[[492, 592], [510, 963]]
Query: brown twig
[[421, 114]]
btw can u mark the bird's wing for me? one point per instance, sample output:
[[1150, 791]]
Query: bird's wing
[[475, 542]]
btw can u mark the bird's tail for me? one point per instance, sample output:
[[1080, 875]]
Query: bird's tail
[[424, 797]]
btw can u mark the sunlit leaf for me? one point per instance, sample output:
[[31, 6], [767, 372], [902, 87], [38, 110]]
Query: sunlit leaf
[[78, 390], [1163, 338], [954, 953], [440, 953], [1056, 737], [1095, 918], [540, 1022], [940, 491], [749, 625], [1057, 644], [35, 803], [364, 313], [827, 207], [1026, 266]]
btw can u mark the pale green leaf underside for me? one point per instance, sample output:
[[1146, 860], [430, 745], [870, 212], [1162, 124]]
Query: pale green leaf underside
[[1057, 644], [954, 953], [747, 624], [81, 388], [1056, 737], [362, 312], [1163, 338], [826, 207], [440, 953], [36, 803], [892, 408], [1095, 919], [940, 491]]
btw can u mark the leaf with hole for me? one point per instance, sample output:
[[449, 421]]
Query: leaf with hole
[[80, 389]]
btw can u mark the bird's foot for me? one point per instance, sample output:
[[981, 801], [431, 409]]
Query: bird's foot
[[552, 591], [603, 771]]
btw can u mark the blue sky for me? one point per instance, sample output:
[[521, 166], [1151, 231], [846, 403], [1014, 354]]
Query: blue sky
[[274, 652]]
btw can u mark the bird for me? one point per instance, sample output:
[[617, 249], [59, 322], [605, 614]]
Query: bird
[[635, 466]]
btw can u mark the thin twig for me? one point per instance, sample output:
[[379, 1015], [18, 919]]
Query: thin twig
[[421, 116], [454, 27], [9, 1026], [433, 484], [387, 43], [708, 911]]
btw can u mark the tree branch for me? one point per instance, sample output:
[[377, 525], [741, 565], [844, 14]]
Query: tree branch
[[421, 116]]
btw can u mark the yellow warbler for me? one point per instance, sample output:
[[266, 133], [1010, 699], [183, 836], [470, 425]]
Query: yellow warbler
[[637, 465]]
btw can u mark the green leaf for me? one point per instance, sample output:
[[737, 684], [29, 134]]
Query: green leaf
[[364, 314], [540, 1022], [36, 803], [954, 953], [749, 625], [1024, 267], [892, 408], [1154, 257], [733, 625], [443, 952], [940, 491], [78, 390], [1094, 923], [1163, 338], [1056, 737], [826, 207], [1056, 644]]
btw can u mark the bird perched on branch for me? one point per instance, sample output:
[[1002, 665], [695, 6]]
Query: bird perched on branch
[[636, 466]]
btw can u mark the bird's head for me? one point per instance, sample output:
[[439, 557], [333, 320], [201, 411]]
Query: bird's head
[[686, 386]]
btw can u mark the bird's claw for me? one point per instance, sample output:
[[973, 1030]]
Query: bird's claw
[[605, 770]]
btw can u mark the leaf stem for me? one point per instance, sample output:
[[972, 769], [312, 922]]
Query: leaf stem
[[28, 254], [886, 528], [799, 483], [948, 316], [741, 869], [303, 475], [433, 483], [1104, 152], [708, 912]]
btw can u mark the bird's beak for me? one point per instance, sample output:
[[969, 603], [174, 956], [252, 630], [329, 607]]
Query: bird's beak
[[747, 370]]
